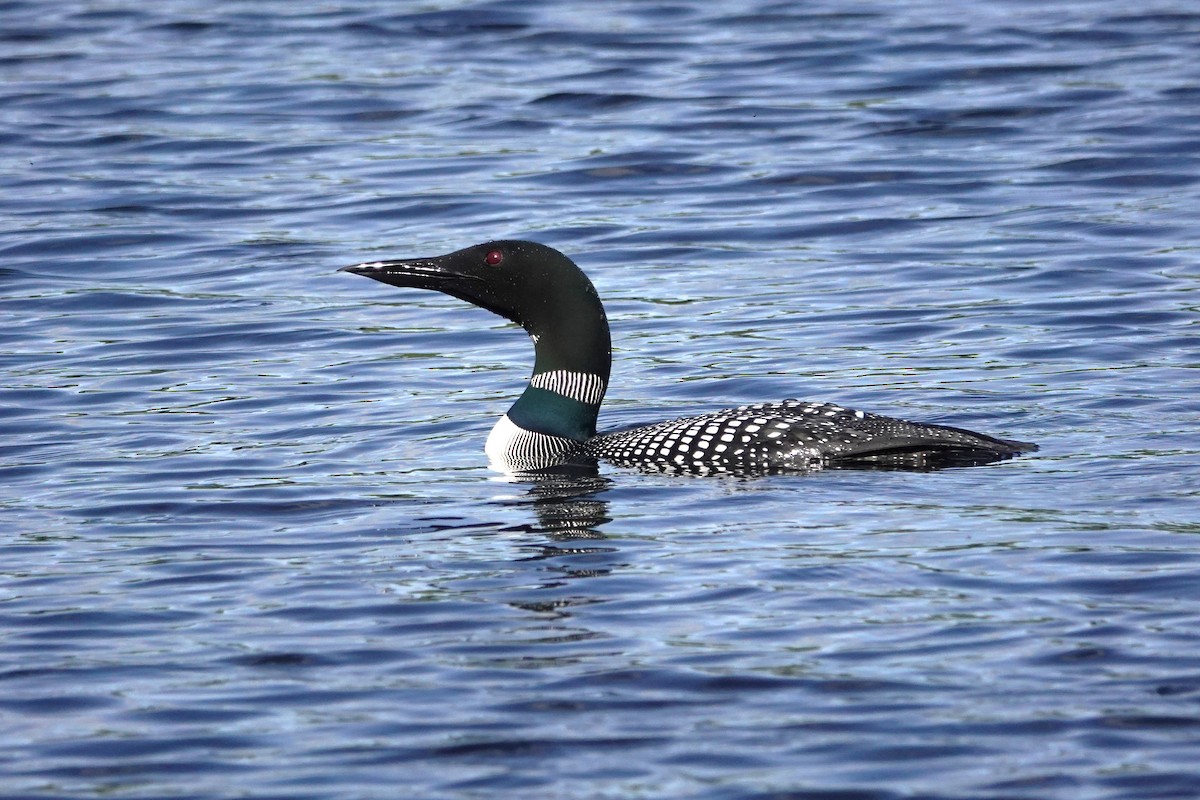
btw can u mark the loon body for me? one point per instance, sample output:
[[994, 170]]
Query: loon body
[[554, 421]]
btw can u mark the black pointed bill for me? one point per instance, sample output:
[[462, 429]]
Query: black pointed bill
[[451, 275], [416, 274]]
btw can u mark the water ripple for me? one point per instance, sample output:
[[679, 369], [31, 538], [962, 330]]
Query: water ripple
[[252, 545]]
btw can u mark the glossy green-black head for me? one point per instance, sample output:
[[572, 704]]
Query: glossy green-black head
[[531, 284]]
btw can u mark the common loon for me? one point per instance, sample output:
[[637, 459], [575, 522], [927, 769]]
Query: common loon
[[554, 421]]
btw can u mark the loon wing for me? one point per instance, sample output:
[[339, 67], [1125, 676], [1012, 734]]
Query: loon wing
[[797, 435], [850, 438]]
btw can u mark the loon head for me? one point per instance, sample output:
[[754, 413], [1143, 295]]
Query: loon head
[[543, 291], [531, 284]]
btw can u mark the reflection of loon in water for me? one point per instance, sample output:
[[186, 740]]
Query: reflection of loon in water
[[554, 421], [568, 507]]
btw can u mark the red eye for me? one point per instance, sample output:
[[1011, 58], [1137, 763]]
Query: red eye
[[493, 257]]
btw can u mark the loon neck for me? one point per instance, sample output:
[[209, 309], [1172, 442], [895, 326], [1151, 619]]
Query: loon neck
[[573, 358]]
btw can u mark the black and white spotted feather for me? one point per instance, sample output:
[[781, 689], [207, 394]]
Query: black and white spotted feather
[[793, 435]]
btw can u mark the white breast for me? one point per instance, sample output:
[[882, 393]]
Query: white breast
[[511, 448]]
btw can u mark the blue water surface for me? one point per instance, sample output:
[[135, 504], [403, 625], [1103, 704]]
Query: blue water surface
[[251, 546]]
